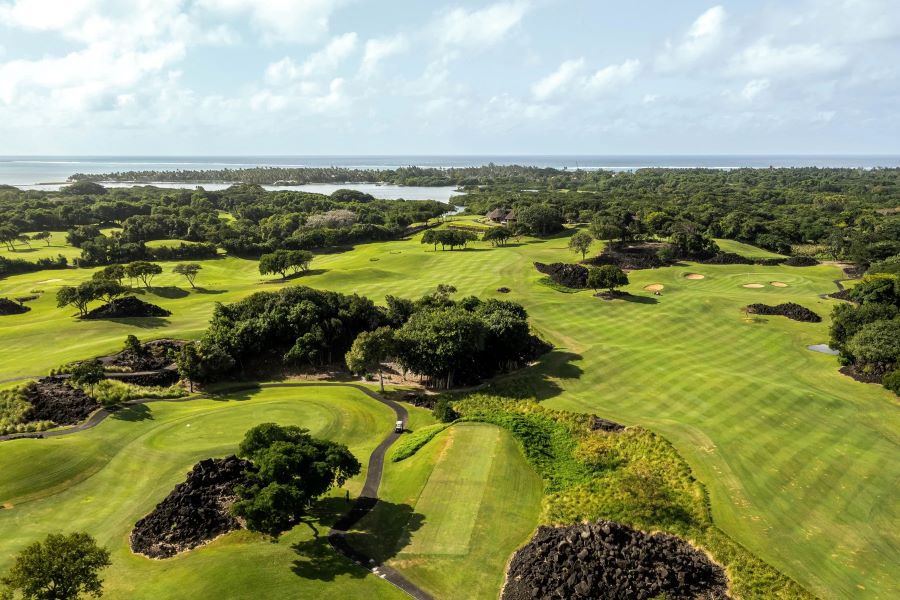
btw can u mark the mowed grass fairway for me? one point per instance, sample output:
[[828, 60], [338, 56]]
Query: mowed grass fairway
[[103, 480], [474, 500], [800, 461]]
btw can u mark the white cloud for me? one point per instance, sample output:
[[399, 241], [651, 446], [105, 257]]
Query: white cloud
[[704, 36], [323, 62], [379, 49], [303, 98], [569, 77], [300, 21], [762, 59], [613, 76], [558, 80], [461, 27], [754, 88]]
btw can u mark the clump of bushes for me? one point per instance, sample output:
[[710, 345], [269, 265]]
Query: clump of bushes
[[110, 391], [412, 443], [14, 408]]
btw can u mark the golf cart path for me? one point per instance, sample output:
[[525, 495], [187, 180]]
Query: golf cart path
[[364, 503]]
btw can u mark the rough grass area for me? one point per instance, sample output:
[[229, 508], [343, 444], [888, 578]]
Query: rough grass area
[[111, 391], [13, 407], [410, 444], [104, 479], [633, 477]]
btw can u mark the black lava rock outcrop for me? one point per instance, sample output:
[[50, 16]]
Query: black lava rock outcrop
[[52, 400], [8, 307], [152, 357], [801, 261], [727, 258], [603, 425], [631, 257], [572, 276], [791, 310], [609, 561], [126, 307], [195, 512]]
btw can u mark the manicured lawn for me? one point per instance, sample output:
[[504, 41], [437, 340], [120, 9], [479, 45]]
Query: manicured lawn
[[105, 479], [800, 461], [745, 249], [474, 500], [40, 249]]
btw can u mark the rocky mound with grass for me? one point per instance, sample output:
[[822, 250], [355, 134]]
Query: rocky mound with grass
[[127, 307], [195, 512], [727, 258], [801, 261], [571, 276], [632, 257], [791, 310], [51, 399], [9, 307], [598, 424], [153, 356], [611, 561]]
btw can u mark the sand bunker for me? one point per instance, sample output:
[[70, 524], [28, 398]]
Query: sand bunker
[[778, 284], [654, 287], [753, 285], [694, 276], [50, 280]]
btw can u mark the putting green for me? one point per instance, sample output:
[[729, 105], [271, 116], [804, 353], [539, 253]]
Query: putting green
[[104, 479]]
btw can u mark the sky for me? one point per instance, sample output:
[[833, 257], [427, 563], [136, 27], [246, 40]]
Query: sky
[[349, 77]]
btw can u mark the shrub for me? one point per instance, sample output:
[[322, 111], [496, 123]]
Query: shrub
[[411, 443], [443, 411], [892, 381]]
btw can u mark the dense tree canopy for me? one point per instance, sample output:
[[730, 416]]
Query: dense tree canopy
[[292, 469], [61, 567]]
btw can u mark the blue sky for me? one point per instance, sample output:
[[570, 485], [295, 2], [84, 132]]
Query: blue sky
[[463, 77]]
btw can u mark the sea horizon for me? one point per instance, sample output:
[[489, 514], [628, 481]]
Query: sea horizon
[[49, 171]]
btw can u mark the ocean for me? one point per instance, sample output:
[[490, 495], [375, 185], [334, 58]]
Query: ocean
[[49, 172]]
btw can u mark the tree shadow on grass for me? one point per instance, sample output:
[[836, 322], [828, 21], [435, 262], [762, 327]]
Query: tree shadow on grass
[[542, 380], [132, 413], [378, 535], [171, 292], [238, 393], [142, 322], [299, 275], [640, 299], [203, 290]]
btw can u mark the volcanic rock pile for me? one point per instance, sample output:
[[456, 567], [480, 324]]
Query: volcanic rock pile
[[573, 276], [791, 310], [153, 356], [195, 512], [126, 307], [801, 261], [8, 307], [52, 400], [611, 561], [631, 257]]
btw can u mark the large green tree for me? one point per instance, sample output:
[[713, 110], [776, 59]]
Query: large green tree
[[143, 270], [580, 242], [61, 567], [292, 469], [439, 343], [369, 350], [607, 277], [189, 271]]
